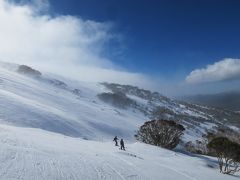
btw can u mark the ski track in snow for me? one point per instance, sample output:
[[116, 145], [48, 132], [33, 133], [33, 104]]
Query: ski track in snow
[[28, 154], [176, 171], [30, 163]]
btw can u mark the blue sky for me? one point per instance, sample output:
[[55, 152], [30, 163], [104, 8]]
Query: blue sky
[[165, 37], [172, 46]]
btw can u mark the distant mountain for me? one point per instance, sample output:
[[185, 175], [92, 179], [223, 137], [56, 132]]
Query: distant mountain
[[226, 100], [97, 111]]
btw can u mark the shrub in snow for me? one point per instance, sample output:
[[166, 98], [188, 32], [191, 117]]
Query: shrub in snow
[[199, 147], [228, 154], [164, 133]]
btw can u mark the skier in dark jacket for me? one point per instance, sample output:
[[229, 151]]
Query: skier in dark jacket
[[116, 141], [122, 145]]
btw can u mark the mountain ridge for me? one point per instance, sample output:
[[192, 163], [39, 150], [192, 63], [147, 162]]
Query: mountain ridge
[[94, 111], [228, 100]]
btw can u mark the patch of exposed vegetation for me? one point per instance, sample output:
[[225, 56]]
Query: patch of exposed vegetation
[[117, 99], [26, 70]]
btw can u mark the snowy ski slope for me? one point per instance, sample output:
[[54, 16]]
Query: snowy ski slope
[[27, 154]]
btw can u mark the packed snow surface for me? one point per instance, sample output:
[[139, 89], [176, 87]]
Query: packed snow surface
[[28, 153]]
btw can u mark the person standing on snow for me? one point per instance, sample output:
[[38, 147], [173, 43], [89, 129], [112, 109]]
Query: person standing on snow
[[116, 141], [122, 145]]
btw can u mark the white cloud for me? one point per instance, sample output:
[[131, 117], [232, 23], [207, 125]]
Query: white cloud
[[226, 69], [37, 5], [65, 45]]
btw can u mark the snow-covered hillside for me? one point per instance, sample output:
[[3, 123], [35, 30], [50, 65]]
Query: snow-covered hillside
[[28, 154], [96, 111], [72, 109], [56, 128]]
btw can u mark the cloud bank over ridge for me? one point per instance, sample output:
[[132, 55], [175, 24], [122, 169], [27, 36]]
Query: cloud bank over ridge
[[224, 70], [65, 45]]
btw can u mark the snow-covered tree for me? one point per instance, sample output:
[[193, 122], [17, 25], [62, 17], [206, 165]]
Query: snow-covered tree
[[228, 154], [162, 133]]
